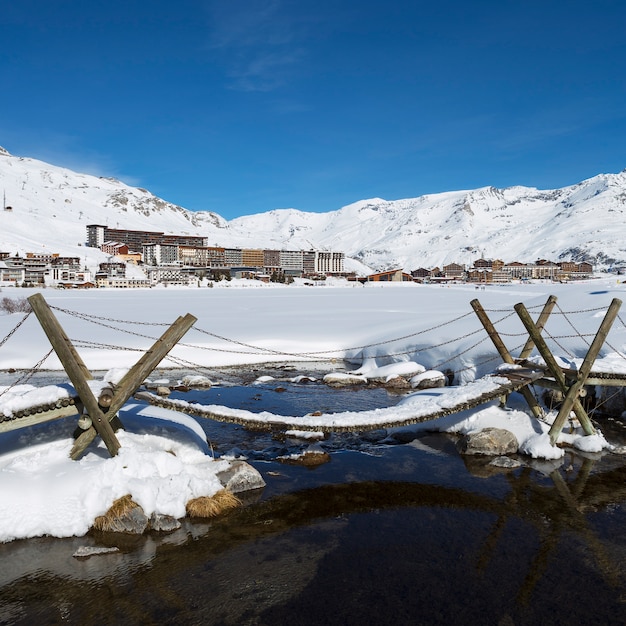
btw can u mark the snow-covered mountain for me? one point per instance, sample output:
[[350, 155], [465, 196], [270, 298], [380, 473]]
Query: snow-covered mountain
[[51, 206]]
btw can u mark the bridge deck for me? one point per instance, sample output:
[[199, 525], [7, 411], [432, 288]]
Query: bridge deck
[[426, 405]]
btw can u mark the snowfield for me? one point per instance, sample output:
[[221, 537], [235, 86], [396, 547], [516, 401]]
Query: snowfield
[[379, 330]]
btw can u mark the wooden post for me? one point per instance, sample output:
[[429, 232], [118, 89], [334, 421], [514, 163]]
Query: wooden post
[[49, 322], [570, 401], [540, 323], [136, 375], [76, 370], [537, 411], [492, 332], [583, 373], [149, 361]]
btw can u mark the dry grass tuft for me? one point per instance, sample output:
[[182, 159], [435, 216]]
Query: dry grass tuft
[[212, 506], [118, 509]]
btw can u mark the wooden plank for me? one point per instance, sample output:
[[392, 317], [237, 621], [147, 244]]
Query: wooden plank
[[8, 425]]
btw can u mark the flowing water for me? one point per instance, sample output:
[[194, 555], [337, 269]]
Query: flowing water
[[392, 528]]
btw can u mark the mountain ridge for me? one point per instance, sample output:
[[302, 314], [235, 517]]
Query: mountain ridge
[[52, 205]]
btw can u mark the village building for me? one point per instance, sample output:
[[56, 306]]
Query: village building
[[480, 275], [271, 262], [454, 271], [292, 262], [68, 270], [12, 271], [113, 248], [233, 257], [159, 254], [120, 282], [252, 257], [396, 276], [201, 256], [98, 234], [170, 275], [421, 274], [519, 271]]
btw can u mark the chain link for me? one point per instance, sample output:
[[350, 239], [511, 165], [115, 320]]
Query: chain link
[[14, 329], [26, 376], [110, 322]]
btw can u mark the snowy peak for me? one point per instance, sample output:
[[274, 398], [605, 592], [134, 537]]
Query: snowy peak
[[51, 206]]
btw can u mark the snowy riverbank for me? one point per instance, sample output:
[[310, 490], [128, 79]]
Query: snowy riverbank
[[375, 326]]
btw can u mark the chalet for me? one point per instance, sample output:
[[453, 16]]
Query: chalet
[[483, 264], [574, 271], [421, 274], [545, 269], [112, 270], [76, 285], [517, 270], [480, 275], [395, 276], [114, 248], [454, 271]]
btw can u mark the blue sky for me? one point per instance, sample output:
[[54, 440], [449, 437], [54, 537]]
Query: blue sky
[[240, 106]]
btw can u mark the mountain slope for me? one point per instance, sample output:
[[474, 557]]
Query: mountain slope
[[51, 206]]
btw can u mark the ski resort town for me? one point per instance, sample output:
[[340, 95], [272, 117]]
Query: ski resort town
[[158, 258]]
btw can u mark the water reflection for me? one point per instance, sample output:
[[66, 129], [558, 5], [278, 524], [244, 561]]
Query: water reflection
[[415, 537], [384, 533]]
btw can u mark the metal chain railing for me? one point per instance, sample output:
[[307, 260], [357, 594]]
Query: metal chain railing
[[252, 349], [26, 376], [12, 332]]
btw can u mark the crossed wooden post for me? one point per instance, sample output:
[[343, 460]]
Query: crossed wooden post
[[571, 391], [103, 411], [569, 388]]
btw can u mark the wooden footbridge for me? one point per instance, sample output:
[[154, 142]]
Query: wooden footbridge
[[98, 405]]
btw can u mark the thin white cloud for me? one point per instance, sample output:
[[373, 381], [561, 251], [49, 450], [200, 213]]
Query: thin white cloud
[[258, 43]]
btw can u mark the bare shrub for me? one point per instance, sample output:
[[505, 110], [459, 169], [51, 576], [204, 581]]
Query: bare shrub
[[15, 305]]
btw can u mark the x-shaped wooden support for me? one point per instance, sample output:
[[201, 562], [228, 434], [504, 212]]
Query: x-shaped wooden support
[[104, 410], [571, 391], [526, 350]]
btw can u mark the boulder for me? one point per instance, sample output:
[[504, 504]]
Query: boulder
[[429, 379], [164, 523], [342, 379], [397, 382], [241, 476], [133, 521], [489, 441]]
